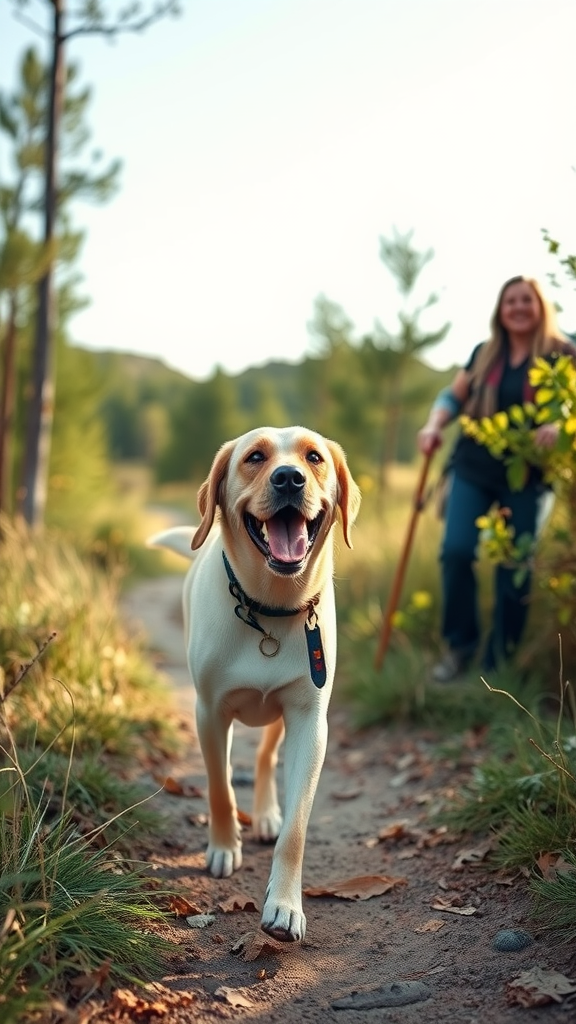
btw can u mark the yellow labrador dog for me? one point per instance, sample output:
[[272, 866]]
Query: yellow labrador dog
[[261, 637]]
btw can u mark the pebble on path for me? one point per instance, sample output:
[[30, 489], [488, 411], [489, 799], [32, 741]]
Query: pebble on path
[[511, 940], [397, 993]]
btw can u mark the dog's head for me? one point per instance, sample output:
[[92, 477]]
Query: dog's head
[[281, 490]]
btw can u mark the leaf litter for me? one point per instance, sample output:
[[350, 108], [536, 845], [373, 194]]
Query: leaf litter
[[386, 944], [538, 987], [360, 887]]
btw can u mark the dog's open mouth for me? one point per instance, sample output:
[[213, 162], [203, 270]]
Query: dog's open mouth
[[285, 539]]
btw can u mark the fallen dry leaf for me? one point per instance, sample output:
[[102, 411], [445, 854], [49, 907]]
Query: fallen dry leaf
[[402, 829], [397, 830], [350, 794], [433, 925], [243, 818], [233, 996], [553, 864], [91, 982], [182, 907], [473, 855], [126, 1002], [545, 863], [156, 988], [451, 907], [200, 819], [175, 788], [254, 944], [360, 887], [564, 867], [238, 902], [436, 837], [538, 987], [503, 878]]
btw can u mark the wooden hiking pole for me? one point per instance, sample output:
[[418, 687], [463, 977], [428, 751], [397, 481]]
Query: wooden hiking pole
[[398, 580]]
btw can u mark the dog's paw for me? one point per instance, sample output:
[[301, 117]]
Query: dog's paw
[[221, 861], [266, 826], [284, 923]]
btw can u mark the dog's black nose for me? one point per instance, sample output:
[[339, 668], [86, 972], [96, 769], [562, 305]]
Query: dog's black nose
[[287, 480]]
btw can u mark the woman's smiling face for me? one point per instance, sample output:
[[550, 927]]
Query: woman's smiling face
[[520, 311]]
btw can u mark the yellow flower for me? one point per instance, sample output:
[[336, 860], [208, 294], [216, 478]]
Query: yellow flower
[[421, 599], [398, 620], [564, 585], [544, 395], [517, 414], [501, 421], [536, 373]]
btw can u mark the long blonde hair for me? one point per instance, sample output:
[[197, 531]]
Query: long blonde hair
[[546, 337]]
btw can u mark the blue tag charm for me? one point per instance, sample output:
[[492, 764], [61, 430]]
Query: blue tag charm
[[316, 655]]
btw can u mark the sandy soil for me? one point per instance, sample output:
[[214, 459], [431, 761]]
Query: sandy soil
[[429, 938]]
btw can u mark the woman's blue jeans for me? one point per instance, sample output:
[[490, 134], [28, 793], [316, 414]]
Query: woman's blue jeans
[[460, 617]]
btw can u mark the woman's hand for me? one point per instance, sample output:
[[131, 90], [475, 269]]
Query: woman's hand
[[429, 439], [546, 435]]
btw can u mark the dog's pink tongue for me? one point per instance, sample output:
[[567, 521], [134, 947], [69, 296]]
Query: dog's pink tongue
[[287, 541]]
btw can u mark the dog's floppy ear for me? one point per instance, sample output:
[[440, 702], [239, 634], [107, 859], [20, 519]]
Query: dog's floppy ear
[[209, 493], [349, 493]]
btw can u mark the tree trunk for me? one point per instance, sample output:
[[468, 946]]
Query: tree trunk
[[7, 409], [41, 406]]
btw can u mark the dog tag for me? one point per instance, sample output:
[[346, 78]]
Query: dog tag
[[269, 645], [316, 655]]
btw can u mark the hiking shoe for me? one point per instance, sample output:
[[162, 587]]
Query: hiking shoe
[[452, 665]]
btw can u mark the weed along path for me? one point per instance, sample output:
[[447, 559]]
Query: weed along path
[[404, 920]]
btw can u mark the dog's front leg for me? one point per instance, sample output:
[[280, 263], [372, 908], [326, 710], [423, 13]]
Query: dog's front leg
[[266, 814], [304, 752], [224, 851]]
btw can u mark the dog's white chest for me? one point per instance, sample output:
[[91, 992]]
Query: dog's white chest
[[241, 657]]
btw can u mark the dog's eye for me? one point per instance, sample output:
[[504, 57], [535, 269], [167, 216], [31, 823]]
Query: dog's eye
[[256, 456], [314, 457]]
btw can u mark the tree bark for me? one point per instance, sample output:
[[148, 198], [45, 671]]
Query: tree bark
[[7, 409], [41, 406]]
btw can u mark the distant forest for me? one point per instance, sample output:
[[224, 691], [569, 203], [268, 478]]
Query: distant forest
[[156, 415]]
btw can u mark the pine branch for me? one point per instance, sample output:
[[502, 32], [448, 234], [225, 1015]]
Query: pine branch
[[170, 7]]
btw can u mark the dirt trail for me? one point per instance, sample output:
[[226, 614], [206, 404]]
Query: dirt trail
[[358, 954]]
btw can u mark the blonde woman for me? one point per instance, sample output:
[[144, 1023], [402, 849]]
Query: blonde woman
[[523, 327]]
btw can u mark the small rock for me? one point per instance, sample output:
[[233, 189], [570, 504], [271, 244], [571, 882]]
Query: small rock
[[397, 993], [511, 940], [200, 920]]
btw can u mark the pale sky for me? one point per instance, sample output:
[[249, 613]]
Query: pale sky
[[268, 144]]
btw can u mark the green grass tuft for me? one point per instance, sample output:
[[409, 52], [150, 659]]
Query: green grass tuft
[[555, 901], [93, 673]]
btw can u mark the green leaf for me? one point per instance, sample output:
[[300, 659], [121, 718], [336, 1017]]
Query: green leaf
[[519, 577], [517, 473]]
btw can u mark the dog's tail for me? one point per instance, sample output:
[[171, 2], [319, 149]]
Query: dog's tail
[[178, 539]]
